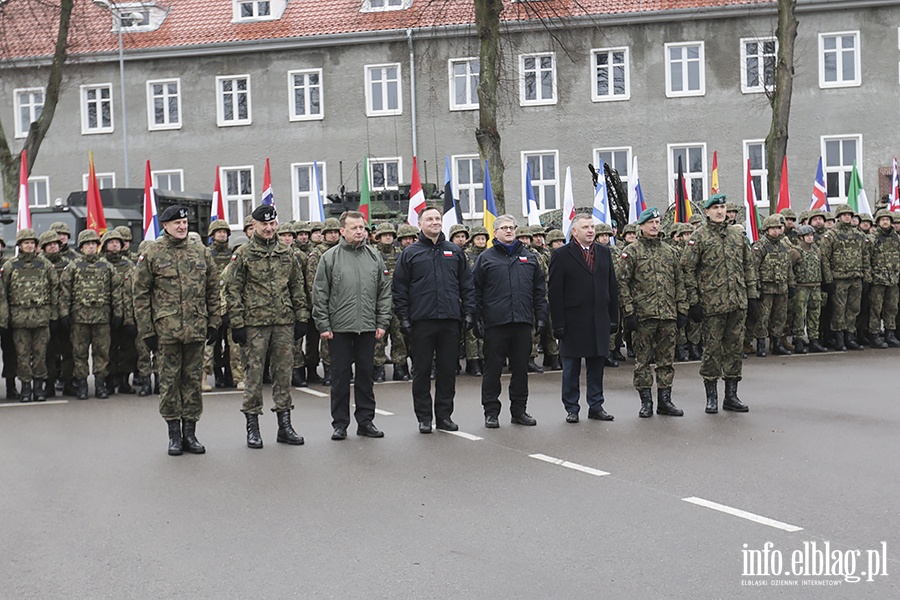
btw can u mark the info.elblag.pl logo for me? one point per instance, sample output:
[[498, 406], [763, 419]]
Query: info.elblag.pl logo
[[814, 563]]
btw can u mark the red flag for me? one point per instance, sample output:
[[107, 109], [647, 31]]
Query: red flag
[[23, 220], [784, 191], [416, 197], [715, 173], [96, 220], [750, 207], [218, 205]]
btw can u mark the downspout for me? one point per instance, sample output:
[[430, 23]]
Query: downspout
[[412, 89]]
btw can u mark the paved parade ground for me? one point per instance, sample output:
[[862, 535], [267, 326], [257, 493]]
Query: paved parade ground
[[92, 507]]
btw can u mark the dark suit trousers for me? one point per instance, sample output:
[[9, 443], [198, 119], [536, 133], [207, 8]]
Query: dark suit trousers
[[511, 341], [346, 349], [570, 382], [438, 340]]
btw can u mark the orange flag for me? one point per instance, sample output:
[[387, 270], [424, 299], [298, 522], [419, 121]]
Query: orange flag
[[96, 220]]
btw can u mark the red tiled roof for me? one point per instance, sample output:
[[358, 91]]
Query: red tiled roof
[[28, 27]]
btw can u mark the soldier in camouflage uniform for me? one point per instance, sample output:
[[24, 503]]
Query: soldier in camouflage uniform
[[790, 225], [146, 361], [602, 236], [459, 235], [266, 301], [59, 350], [123, 337], [731, 213], [775, 259], [215, 356], [384, 234], [6, 340], [721, 285], [89, 299], [331, 233], [32, 294], [176, 301], [64, 233], [845, 250], [883, 295], [474, 346], [652, 295], [811, 276], [544, 338], [286, 233], [867, 225]]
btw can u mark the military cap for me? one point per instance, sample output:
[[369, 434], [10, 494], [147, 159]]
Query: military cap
[[600, 228], [720, 199], [788, 213], [555, 235], [303, 227], [125, 232], [804, 216], [60, 227], [238, 240], [537, 230], [896, 217], [816, 213], [881, 213], [264, 213], [480, 230], [284, 228], [173, 213], [48, 237], [647, 214], [331, 224], [630, 228], [296, 226], [843, 209], [384, 228], [772, 221], [218, 225], [248, 221], [613, 223], [88, 235], [830, 216], [523, 232], [315, 226], [407, 230], [868, 217], [805, 230], [112, 234], [695, 218], [25, 234]]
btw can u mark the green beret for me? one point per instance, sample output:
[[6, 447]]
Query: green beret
[[714, 200], [647, 214]]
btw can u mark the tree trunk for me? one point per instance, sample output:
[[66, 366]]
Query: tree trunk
[[780, 97], [9, 162], [487, 21]]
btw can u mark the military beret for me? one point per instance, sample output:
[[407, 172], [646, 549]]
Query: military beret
[[647, 214], [805, 230], [173, 213], [264, 213], [716, 199]]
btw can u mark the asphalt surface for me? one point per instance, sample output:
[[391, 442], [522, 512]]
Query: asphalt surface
[[91, 506]]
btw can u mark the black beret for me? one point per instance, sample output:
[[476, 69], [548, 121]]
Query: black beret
[[264, 213], [173, 213]]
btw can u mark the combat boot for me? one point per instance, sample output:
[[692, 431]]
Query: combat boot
[[254, 440], [646, 395], [851, 342], [838, 341], [732, 402], [534, 368], [298, 377], [59, 385], [800, 346], [695, 352], [748, 347], [712, 396], [124, 387], [49, 389], [616, 354], [778, 348], [552, 362], [312, 374], [401, 372], [664, 404], [70, 388], [327, 379], [81, 392], [472, 367], [786, 343], [815, 347], [26, 392], [890, 338], [40, 395], [11, 392], [876, 342], [681, 353], [175, 439], [379, 374], [100, 388], [189, 440], [146, 387], [761, 347], [156, 383], [286, 433]]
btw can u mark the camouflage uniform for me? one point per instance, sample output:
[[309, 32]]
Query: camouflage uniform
[[312, 264], [218, 354], [545, 338], [123, 340], [774, 266], [59, 351], [299, 376], [399, 354], [810, 273], [883, 295], [474, 346]]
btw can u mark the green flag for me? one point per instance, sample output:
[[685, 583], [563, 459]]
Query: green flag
[[856, 195], [364, 192]]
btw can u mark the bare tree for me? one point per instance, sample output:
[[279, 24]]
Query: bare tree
[[780, 97], [487, 22]]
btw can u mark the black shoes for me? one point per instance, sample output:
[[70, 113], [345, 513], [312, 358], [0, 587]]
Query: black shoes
[[100, 388], [401, 373], [712, 396], [850, 341], [175, 438], [600, 415], [11, 392], [646, 395], [816, 347], [761, 347], [298, 377], [447, 425], [327, 379], [286, 433], [617, 355], [40, 395], [189, 440], [800, 346], [424, 426], [369, 430], [890, 338], [664, 404], [571, 417], [379, 374], [611, 362], [732, 402], [778, 347], [523, 419], [473, 368], [533, 367], [121, 384], [340, 433], [491, 422], [551, 363], [876, 342], [312, 375], [254, 440], [25, 396], [82, 390]]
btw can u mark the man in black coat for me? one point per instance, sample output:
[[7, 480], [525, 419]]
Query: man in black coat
[[511, 298], [584, 310]]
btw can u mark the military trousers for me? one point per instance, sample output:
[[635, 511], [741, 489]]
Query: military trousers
[[846, 301], [883, 300], [654, 338], [545, 338], [474, 346], [90, 339], [31, 351], [60, 364], [772, 316], [398, 345], [278, 340], [807, 303], [723, 336], [145, 364], [180, 373]]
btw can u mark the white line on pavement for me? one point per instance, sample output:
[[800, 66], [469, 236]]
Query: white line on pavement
[[463, 434], [312, 392], [10, 404], [743, 514], [568, 465]]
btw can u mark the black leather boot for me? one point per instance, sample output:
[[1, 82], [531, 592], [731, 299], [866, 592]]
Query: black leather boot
[[681, 353], [732, 402], [11, 392], [26, 392], [616, 354], [100, 388], [327, 379], [800, 346], [123, 386], [401, 372], [70, 388], [890, 338], [816, 347], [838, 341], [254, 440], [695, 352], [534, 368], [175, 440], [82, 390], [379, 374], [59, 385], [761, 347], [850, 341], [156, 383], [49, 389], [876, 342], [40, 394], [298, 377], [189, 437], [646, 395], [472, 367], [712, 396], [312, 374], [552, 362], [286, 433], [664, 404], [146, 387], [778, 348]]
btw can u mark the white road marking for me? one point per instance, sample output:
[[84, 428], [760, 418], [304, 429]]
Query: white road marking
[[743, 514], [569, 465], [463, 434], [46, 402], [312, 392]]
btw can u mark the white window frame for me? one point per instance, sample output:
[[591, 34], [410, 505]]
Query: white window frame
[[761, 77], [762, 192], [22, 132], [33, 182], [151, 109], [672, 173], [293, 115], [857, 60], [384, 112], [220, 101], [298, 198], [385, 160], [626, 149], [540, 193], [273, 12], [684, 93], [471, 86], [154, 175], [238, 222], [85, 128], [387, 5], [100, 178], [611, 96], [843, 171], [477, 210], [538, 101]]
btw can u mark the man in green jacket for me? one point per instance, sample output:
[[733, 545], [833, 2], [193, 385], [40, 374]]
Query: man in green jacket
[[351, 309]]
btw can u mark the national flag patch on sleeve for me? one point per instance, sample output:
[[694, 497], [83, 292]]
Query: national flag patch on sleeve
[[624, 255], [690, 242], [448, 253], [523, 259]]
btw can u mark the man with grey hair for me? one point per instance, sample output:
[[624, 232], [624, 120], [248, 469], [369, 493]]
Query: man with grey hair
[[510, 299]]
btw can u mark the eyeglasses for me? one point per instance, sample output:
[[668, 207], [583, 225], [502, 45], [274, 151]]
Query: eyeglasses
[[507, 228]]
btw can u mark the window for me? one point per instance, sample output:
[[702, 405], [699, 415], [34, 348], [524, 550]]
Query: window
[[29, 103], [305, 93], [38, 192], [464, 78], [755, 150], [385, 174], [685, 71], [96, 108], [618, 158], [468, 185], [237, 193], [382, 5], [544, 178], [610, 74], [164, 104], [537, 80], [233, 100], [133, 19], [693, 163], [252, 10], [383, 94], [105, 181], [758, 59], [302, 178], [839, 58], [840, 153], [169, 180]]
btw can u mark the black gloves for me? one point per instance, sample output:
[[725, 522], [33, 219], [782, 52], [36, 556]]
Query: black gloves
[[680, 320], [65, 322], [239, 336], [792, 292], [540, 326], [299, 329], [631, 322], [405, 327], [152, 343], [116, 322], [469, 322], [559, 333], [865, 287], [212, 336], [54, 326], [130, 330], [829, 288], [478, 329], [225, 322], [695, 312], [752, 306]]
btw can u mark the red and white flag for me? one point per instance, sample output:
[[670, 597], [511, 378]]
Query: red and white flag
[[218, 204], [416, 197], [151, 219], [894, 196], [23, 219]]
